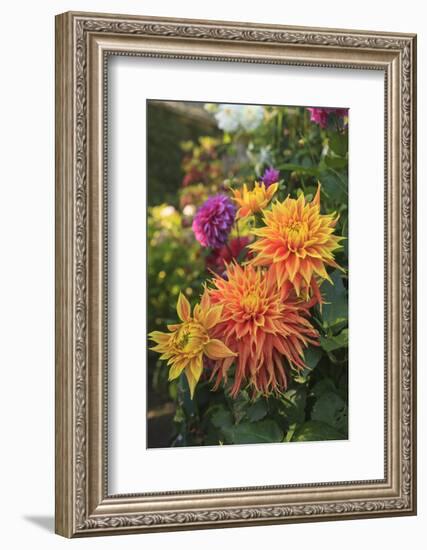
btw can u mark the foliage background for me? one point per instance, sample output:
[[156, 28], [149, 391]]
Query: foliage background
[[190, 158]]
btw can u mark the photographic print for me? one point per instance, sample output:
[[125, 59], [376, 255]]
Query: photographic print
[[247, 273]]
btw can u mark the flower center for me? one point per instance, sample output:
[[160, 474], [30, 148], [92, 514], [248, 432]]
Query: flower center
[[296, 233], [295, 226], [254, 203], [250, 303], [190, 338]]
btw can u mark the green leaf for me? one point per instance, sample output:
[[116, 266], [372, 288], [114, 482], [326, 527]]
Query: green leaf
[[331, 410], [337, 163], [179, 415], [323, 386], [332, 343], [336, 186], [338, 142], [312, 356], [257, 411], [302, 378], [309, 171], [222, 418], [240, 406], [290, 432], [293, 404], [335, 296], [264, 431], [338, 326], [173, 390], [316, 431]]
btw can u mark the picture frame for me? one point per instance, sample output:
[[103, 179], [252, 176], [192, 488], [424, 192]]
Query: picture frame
[[84, 42]]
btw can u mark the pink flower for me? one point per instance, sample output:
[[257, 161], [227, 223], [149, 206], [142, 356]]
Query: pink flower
[[321, 115]]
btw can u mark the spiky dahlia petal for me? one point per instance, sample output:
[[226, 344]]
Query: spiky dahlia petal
[[192, 381], [298, 242], [212, 317], [215, 349], [254, 200], [264, 323], [160, 337], [175, 370], [183, 307], [188, 342]]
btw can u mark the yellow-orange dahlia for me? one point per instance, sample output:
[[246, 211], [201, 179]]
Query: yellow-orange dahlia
[[264, 324], [187, 342], [297, 242], [254, 200]]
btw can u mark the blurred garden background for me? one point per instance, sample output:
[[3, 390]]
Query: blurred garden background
[[195, 151]]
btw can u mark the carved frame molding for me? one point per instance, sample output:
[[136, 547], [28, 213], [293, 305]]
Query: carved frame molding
[[83, 44]]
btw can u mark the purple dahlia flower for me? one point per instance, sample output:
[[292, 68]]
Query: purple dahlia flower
[[320, 115], [271, 175], [212, 222]]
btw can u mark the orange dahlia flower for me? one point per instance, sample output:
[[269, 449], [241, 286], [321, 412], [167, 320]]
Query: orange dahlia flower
[[253, 201], [187, 342], [297, 242], [264, 324]]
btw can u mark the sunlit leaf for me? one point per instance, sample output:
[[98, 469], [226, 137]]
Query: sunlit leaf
[[332, 343], [316, 431]]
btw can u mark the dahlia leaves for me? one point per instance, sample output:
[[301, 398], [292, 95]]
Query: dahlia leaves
[[314, 430], [310, 171], [337, 163], [264, 431], [240, 405], [338, 143], [335, 186], [323, 386], [331, 410], [292, 405], [335, 296], [222, 418], [257, 411], [333, 343], [312, 356]]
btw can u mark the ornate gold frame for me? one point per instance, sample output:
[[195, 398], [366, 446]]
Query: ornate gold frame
[[83, 42]]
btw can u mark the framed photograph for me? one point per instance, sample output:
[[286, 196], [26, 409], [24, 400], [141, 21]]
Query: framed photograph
[[235, 274]]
